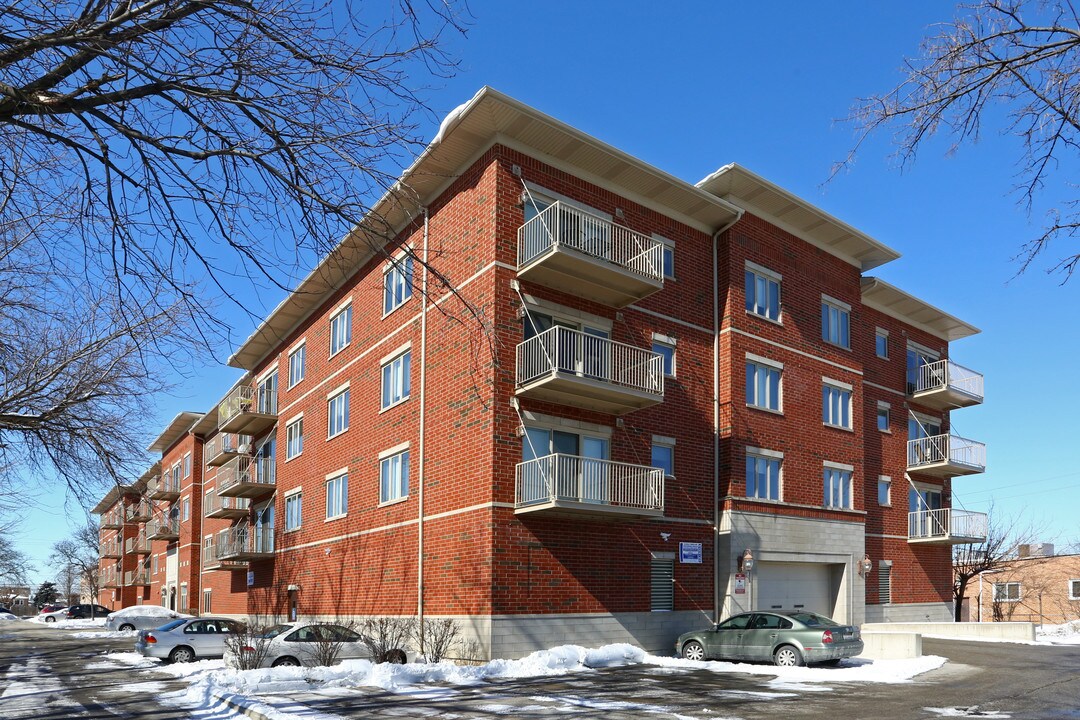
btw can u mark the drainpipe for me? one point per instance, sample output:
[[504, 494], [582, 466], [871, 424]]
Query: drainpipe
[[420, 464], [716, 412]]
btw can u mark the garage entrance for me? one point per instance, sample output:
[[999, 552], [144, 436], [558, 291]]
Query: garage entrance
[[798, 586]]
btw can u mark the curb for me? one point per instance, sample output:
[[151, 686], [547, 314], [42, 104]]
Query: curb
[[232, 704]]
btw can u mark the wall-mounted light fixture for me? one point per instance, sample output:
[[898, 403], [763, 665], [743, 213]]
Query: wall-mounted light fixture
[[746, 561], [865, 566]]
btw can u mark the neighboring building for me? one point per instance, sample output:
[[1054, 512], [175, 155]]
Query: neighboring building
[[643, 403], [1038, 586], [16, 598]]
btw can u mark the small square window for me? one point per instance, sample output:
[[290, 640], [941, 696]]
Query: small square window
[[883, 419], [762, 477], [881, 344], [1007, 592], [884, 490], [1074, 589], [663, 456], [667, 352], [667, 253]]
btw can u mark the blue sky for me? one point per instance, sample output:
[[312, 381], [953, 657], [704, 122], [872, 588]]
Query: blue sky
[[689, 87]]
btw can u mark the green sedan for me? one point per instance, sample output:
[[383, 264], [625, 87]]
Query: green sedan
[[783, 638]]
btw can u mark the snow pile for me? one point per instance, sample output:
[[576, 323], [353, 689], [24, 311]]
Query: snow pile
[[1067, 634], [106, 635], [7, 616], [65, 624], [850, 670], [147, 611]]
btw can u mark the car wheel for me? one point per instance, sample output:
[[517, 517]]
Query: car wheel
[[50, 619], [127, 627], [693, 650], [396, 657], [787, 656], [286, 661], [182, 654]]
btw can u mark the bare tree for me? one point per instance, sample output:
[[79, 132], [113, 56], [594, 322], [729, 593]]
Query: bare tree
[[1020, 56], [386, 637], [80, 553], [1003, 536], [436, 637], [210, 141], [15, 565]]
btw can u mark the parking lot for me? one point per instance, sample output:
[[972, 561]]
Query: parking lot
[[48, 674]]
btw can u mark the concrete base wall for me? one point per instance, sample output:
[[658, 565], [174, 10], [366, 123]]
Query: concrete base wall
[[1014, 632], [891, 645], [910, 613]]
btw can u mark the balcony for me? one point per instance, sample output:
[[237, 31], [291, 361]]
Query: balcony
[[944, 385], [247, 411], [223, 447], [163, 487], [579, 485], [571, 367], [136, 577], [112, 519], [589, 256], [137, 545], [138, 512], [947, 526], [163, 529], [211, 561], [946, 456], [110, 578], [245, 476], [226, 507], [245, 542], [111, 548]]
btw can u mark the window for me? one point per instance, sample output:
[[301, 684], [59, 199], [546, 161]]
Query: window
[[884, 490], [267, 394], [187, 510], [763, 474], [183, 607], [662, 581], [394, 477], [763, 385], [884, 583], [176, 476], [836, 406], [294, 438], [207, 605], [1074, 589], [187, 465], [397, 283], [837, 487], [338, 413], [881, 343], [1007, 592], [667, 255], [395, 379], [155, 565], [883, 417], [337, 496], [294, 511], [297, 360], [663, 455], [835, 321], [341, 330], [762, 292], [665, 348]]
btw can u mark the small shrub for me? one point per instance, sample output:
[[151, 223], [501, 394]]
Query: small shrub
[[386, 637], [435, 637], [248, 646]]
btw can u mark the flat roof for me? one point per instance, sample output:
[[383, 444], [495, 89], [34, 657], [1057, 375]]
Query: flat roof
[[175, 430], [489, 117], [891, 300], [767, 200]]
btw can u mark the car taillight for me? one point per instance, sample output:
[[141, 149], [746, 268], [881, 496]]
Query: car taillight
[[247, 649], [150, 638], [826, 637]]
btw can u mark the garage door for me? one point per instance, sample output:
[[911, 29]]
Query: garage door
[[794, 586]]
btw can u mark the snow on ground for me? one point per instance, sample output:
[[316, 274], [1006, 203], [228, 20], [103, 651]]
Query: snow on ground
[[1067, 634], [7, 617], [86, 624], [107, 635]]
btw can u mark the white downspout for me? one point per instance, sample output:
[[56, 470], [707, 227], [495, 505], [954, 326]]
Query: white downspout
[[716, 413], [420, 448]]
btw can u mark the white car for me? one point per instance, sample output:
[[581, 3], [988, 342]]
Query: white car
[[141, 617], [51, 617], [298, 643]]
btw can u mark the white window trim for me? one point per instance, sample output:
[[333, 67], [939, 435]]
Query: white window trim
[[265, 374], [882, 405], [840, 304], [888, 415], [922, 349], [288, 361], [338, 390], [665, 339], [391, 264], [881, 332], [336, 473], [767, 455], [838, 466], [330, 326], [288, 424], [759, 360], [658, 339], [393, 355], [776, 277], [763, 271], [924, 418], [1070, 588], [289, 495], [382, 365], [779, 367], [763, 452], [294, 491], [329, 399], [538, 192], [296, 345], [838, 384], [391, 452], [329, 478], [566, 314], [552, 422], [1006, 583], [663, 440], [888, 481], [394, 450], [668, 243]]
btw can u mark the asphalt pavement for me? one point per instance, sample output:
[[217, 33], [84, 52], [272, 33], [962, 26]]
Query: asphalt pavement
[[57, 676]]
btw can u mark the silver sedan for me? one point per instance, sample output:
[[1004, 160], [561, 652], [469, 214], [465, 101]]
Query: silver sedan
[[187, 640], [302, 643]]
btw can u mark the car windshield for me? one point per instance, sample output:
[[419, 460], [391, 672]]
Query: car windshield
[[275, 631], [171, 625], [814, 620]]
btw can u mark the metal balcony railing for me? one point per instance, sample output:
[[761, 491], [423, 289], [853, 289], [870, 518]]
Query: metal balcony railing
[[247, 407], [573, 352], [559, 478], [225, 507], [163, 487], [114, 518], [948, 451], [111, 548], [244, 541], [224, 446], [137, 577], [569, 227], [139, 545], [949, 525], [246, 476], [946, 375], [140, 511], [163, 528]]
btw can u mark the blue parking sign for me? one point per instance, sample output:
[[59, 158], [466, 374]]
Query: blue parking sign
[[690, 552]]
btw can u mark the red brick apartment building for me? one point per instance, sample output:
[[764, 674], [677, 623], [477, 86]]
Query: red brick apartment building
[[643, 403]]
